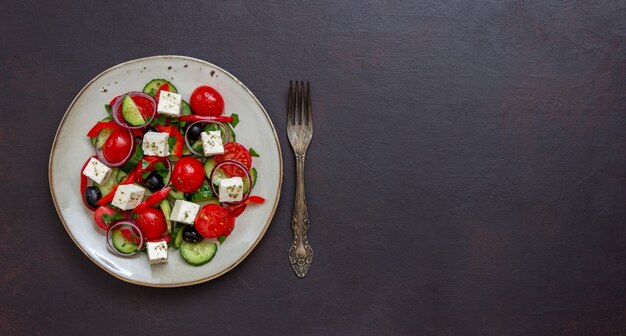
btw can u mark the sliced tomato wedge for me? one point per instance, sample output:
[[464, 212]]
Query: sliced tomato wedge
[[237, 152], [103, 210], [213, 221]]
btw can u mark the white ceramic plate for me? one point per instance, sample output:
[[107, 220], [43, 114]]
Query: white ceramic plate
[[71, 148]]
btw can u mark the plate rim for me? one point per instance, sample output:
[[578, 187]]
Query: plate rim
[[175, 284]]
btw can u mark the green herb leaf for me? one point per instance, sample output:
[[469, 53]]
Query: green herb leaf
[[160, 120], [235, 119], [108, 108], [171, 141], [221, 239], [145, 175], [144, 164], [159, 166], [254, 153], [110, 219]]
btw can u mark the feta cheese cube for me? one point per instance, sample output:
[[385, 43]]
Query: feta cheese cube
[[156, 144], [212, 143], [184, 212], [231, 189], [157, 252], [169, 103], [96, 170], [128, 196]]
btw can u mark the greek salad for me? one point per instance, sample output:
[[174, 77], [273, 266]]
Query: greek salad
[[168, 174]]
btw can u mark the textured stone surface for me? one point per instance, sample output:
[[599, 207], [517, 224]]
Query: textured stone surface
[[492, 204]]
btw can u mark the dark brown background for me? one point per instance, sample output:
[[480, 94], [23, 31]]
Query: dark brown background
[[467, 174]]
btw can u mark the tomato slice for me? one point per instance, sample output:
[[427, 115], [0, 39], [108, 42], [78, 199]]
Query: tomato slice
[[144, 106], [235, 151], [117, 146], [206, 101], [213, 221], [103, 210]]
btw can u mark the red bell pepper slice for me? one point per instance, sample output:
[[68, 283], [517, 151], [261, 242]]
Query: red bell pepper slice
[[175, 133], [99, 126], [154, 199], [193, 117], [236, 210], [83, 184]]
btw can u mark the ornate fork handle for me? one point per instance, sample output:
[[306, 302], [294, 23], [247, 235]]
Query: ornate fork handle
[[300, 253]]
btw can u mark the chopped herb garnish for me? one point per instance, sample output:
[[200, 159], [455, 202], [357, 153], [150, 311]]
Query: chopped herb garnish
[[110, 219], [235, 119], [160, 120], [254, 153], [171, 141]]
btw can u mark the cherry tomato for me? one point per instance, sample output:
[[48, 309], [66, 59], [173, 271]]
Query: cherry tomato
[[234, 151], [206, 101], [103, 210], [188, 174], [117, 146], [152, 223], [213, 221]]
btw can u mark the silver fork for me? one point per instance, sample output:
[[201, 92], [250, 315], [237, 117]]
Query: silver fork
[[300, 132]]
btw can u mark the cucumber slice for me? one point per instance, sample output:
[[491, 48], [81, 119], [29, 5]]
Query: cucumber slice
[[120, 175], [177, 235], [131, 113], [103, 135], [121, 244], [208, 167], [185, 109], [177, 194], [130, 165], [153, 86], [217, 177], [167, 211], [108, 184], [203, 194], [245, 180], [198, 254]]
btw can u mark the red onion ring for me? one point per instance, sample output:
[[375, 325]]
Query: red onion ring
[[239, 165], [100, 153], [116, 107], [219, 124], [120, 223]]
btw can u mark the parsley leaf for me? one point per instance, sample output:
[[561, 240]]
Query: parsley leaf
[[235, 119], [254, 153], [108, 108], [160, 120], [221, 239], [110, 219], [171, 141]]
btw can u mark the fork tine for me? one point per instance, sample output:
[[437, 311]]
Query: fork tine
[[302, 104], [296, 108], [290, 106], [309, 118]]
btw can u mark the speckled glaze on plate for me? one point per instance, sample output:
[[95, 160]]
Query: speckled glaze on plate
[[71, 148]]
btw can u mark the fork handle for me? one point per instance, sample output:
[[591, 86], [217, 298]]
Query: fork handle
[[300, 253]]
